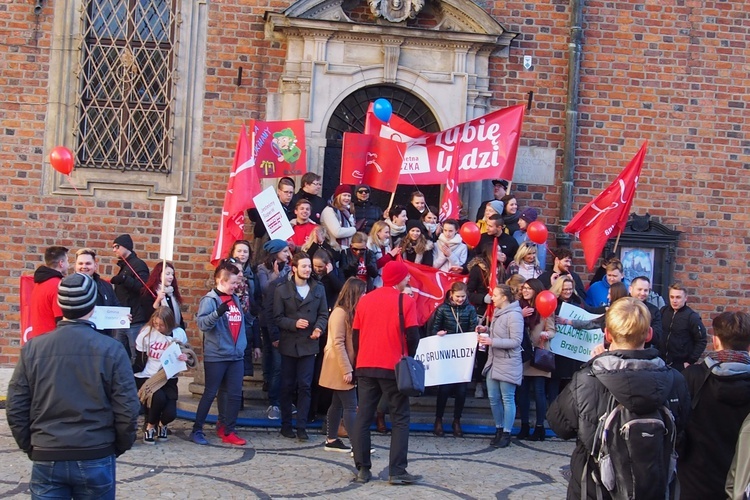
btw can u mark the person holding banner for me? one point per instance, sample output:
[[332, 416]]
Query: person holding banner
[[167, 294], [539, 330], [337, 372], [155, 337], [455, 315], [504, 367]]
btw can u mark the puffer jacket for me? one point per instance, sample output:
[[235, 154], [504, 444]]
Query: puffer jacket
[[504, 357], [638, 379], [446, 314], [683, 336]]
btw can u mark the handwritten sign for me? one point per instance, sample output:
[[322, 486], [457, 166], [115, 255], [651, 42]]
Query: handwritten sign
[[448, 359], [110, 318], [572, 342], [272, 214]]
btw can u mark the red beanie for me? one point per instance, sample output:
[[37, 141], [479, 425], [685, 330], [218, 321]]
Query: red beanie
[[394, 273], [343, 188]]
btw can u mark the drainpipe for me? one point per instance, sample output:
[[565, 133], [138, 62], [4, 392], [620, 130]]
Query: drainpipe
[[571, 116]]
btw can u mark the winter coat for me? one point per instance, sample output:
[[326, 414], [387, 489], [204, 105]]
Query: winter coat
[[535, 335], [504, 356], [446, 314], [477, 285], [424, 258], [45, 312], [457, 257], [339, 226], [338, 355], [129, 286], [105, 293], [83, 405], [683, 336], [288, 307], [638, 379], [529, 272], [350, 266], [366, 213], [707, 450], [738, 478], [218, 342]]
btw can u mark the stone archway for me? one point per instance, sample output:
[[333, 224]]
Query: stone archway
[[440, 54], [349, 116]]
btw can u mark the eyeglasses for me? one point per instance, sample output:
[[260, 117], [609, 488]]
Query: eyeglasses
[[363, 191], [317, 183]]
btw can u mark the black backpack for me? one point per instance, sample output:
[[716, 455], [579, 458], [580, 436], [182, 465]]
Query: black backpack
[[634, 453]]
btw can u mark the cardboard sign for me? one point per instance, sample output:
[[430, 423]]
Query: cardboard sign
[[272, 214], [574, 343]]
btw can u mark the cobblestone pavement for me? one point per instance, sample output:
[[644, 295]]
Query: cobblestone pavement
[[270, 466]]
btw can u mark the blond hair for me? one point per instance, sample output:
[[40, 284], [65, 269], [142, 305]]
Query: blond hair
[[559, 283], [525, 249], [628, 322]]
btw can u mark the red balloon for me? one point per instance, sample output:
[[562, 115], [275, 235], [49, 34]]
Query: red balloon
[[545, 303], [537, 232], [470, 233], [61, 159]]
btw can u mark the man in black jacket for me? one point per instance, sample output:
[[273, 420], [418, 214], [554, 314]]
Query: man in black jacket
[[720, 390], [300, 311], [639, 289], [73, 415], [636, 377], [310, 191], [129, 282], [366, 213], [683, 334], [86, 263]]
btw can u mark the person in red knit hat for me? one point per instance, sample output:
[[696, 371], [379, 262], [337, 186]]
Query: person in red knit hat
[[379, 343], [338, 216]]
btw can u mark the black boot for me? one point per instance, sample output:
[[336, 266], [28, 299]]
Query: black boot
[[438, 429], [504, 441], [538, 434], [524, 434], [457, 430], [498, 434]]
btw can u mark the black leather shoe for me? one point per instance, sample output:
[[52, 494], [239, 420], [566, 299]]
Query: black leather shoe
[[302, 435], [495, 440], [288, 433], [363, 475], [405, 478], [524, 434], [438, 428], [457, 430], [538, 434]]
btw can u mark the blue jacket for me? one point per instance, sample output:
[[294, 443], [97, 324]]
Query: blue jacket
[[218, 344], [596, 296]]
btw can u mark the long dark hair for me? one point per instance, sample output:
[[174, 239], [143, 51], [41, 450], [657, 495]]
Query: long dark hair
[[349, 296], [537, 287], [249, 251], [154, 280]]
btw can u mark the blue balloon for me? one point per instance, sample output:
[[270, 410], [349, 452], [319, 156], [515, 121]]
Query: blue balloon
[[383, 110]]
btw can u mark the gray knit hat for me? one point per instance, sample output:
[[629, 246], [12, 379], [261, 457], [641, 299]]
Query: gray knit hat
[[76, 295]]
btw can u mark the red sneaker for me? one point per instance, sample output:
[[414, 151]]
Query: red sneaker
[[233, 438]]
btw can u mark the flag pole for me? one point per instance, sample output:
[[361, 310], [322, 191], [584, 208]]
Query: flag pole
[[617, 241], [390, 203]]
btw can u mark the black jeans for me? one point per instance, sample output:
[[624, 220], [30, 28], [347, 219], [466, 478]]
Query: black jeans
[[162, 408], [444, 392], [296, 373], [369, 390]]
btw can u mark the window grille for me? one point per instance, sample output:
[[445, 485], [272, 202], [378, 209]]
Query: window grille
[[126, 85]]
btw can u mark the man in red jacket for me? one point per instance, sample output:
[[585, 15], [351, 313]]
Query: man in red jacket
[[379, 343], [45, 313]]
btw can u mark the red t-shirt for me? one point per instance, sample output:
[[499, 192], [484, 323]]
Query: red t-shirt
[[301, 232], [234, 315], [381, 341]]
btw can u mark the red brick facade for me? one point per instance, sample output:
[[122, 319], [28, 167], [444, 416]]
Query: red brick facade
[[674, 72]]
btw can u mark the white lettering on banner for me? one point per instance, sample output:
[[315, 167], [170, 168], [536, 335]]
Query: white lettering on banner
[[448, 359], [572, 342]]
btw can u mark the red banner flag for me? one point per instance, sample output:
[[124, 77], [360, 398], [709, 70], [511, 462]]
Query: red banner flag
[[607, 214], [451, 201], [403, 130], [371, 160], [242, 186], [279, 148], [483, 148], [429, 286]]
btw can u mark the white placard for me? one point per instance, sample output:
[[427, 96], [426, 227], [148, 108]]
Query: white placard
[[110, 317], [172, 365], [272, 214], [166, 248], [571, 342], [448, 359]]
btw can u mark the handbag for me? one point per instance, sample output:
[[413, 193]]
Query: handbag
[[409, 371], [543, 359]]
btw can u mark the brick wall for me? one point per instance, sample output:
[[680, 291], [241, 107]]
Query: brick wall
[[673, 72]]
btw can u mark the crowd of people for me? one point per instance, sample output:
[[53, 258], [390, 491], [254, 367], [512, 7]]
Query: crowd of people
[[329, 312]]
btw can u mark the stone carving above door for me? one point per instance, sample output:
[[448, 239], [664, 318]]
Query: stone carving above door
[[396, 11]]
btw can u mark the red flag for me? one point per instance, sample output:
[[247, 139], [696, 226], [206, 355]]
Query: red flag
[[429, 286], [242, 186], [451, 201], [607, 214], [401, 129], [371, 160]]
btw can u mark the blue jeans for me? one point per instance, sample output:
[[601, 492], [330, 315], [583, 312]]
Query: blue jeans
[[504, 412], [80, 479], [218, 373], [296, 373], [271, 368], [540, 397]]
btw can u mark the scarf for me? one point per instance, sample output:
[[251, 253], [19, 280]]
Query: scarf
[[170, 301], [727, 356], [453, 242], [159, 379], [396, 231]]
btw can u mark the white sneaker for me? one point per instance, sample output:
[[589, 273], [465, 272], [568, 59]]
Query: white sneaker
[[273, 413]]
